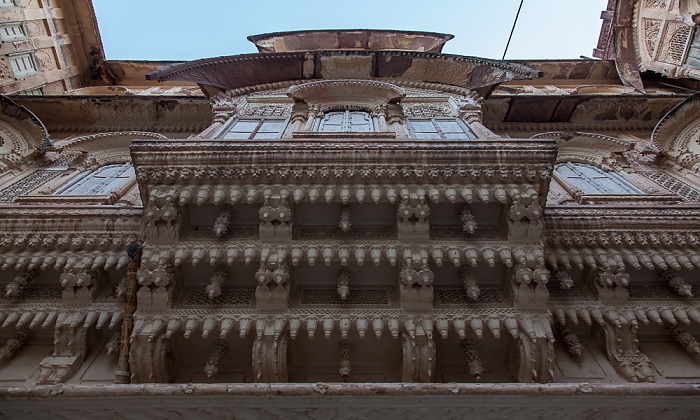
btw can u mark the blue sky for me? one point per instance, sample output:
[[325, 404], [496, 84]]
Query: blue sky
[[181, 30]]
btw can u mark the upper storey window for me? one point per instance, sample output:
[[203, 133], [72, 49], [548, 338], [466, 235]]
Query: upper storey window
[[100, 181], [439, 129], [592, 180], [347, 121], [254, 128]]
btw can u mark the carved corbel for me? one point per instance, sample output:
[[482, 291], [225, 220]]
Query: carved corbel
[[217, 280], [678, 284], [468, 220], [685, 339], [270, 352], [70, 348], [622, 349], [14, 344], [344, 283], [418, 352], [345, 359], [532, 352], [571, 342], [114, 343], [476, 369], [222, 222], [565, 281], [345, 224], [211, 369], [19, 283], [469, 281]]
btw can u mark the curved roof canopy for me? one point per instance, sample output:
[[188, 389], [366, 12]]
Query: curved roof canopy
[[350, 39]]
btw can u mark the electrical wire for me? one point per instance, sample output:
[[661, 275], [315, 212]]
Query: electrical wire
[[512, 29]]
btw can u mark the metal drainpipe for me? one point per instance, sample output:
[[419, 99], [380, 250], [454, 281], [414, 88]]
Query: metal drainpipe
[[123, 370]]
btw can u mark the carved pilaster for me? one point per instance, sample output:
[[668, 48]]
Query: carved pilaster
[[412, 218], [275, 219], [610, 286], [157, 286], [272, 291], [528, 286], [416, 285]]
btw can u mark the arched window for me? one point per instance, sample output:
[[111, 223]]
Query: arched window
[[347, 121], [592, 180], [100, 181]]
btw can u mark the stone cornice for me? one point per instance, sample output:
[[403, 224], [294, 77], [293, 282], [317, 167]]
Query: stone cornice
[[225, 73], [363, 399]]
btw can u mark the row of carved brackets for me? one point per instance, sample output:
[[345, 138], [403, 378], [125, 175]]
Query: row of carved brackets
[[607, 259], [672, 313], [43, 317], [44, 260], [221, 194], [224, 324], [477, 252]]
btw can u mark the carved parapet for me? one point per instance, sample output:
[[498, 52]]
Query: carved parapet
[[532, 353]]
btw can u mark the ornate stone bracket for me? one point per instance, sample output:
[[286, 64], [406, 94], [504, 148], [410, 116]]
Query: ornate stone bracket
[[609, 286], [70, 347], [622, 348], [153, 358], [418, 351], [270, 351], [80, 285], [528, 285], [412, 219], [532, 352]]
